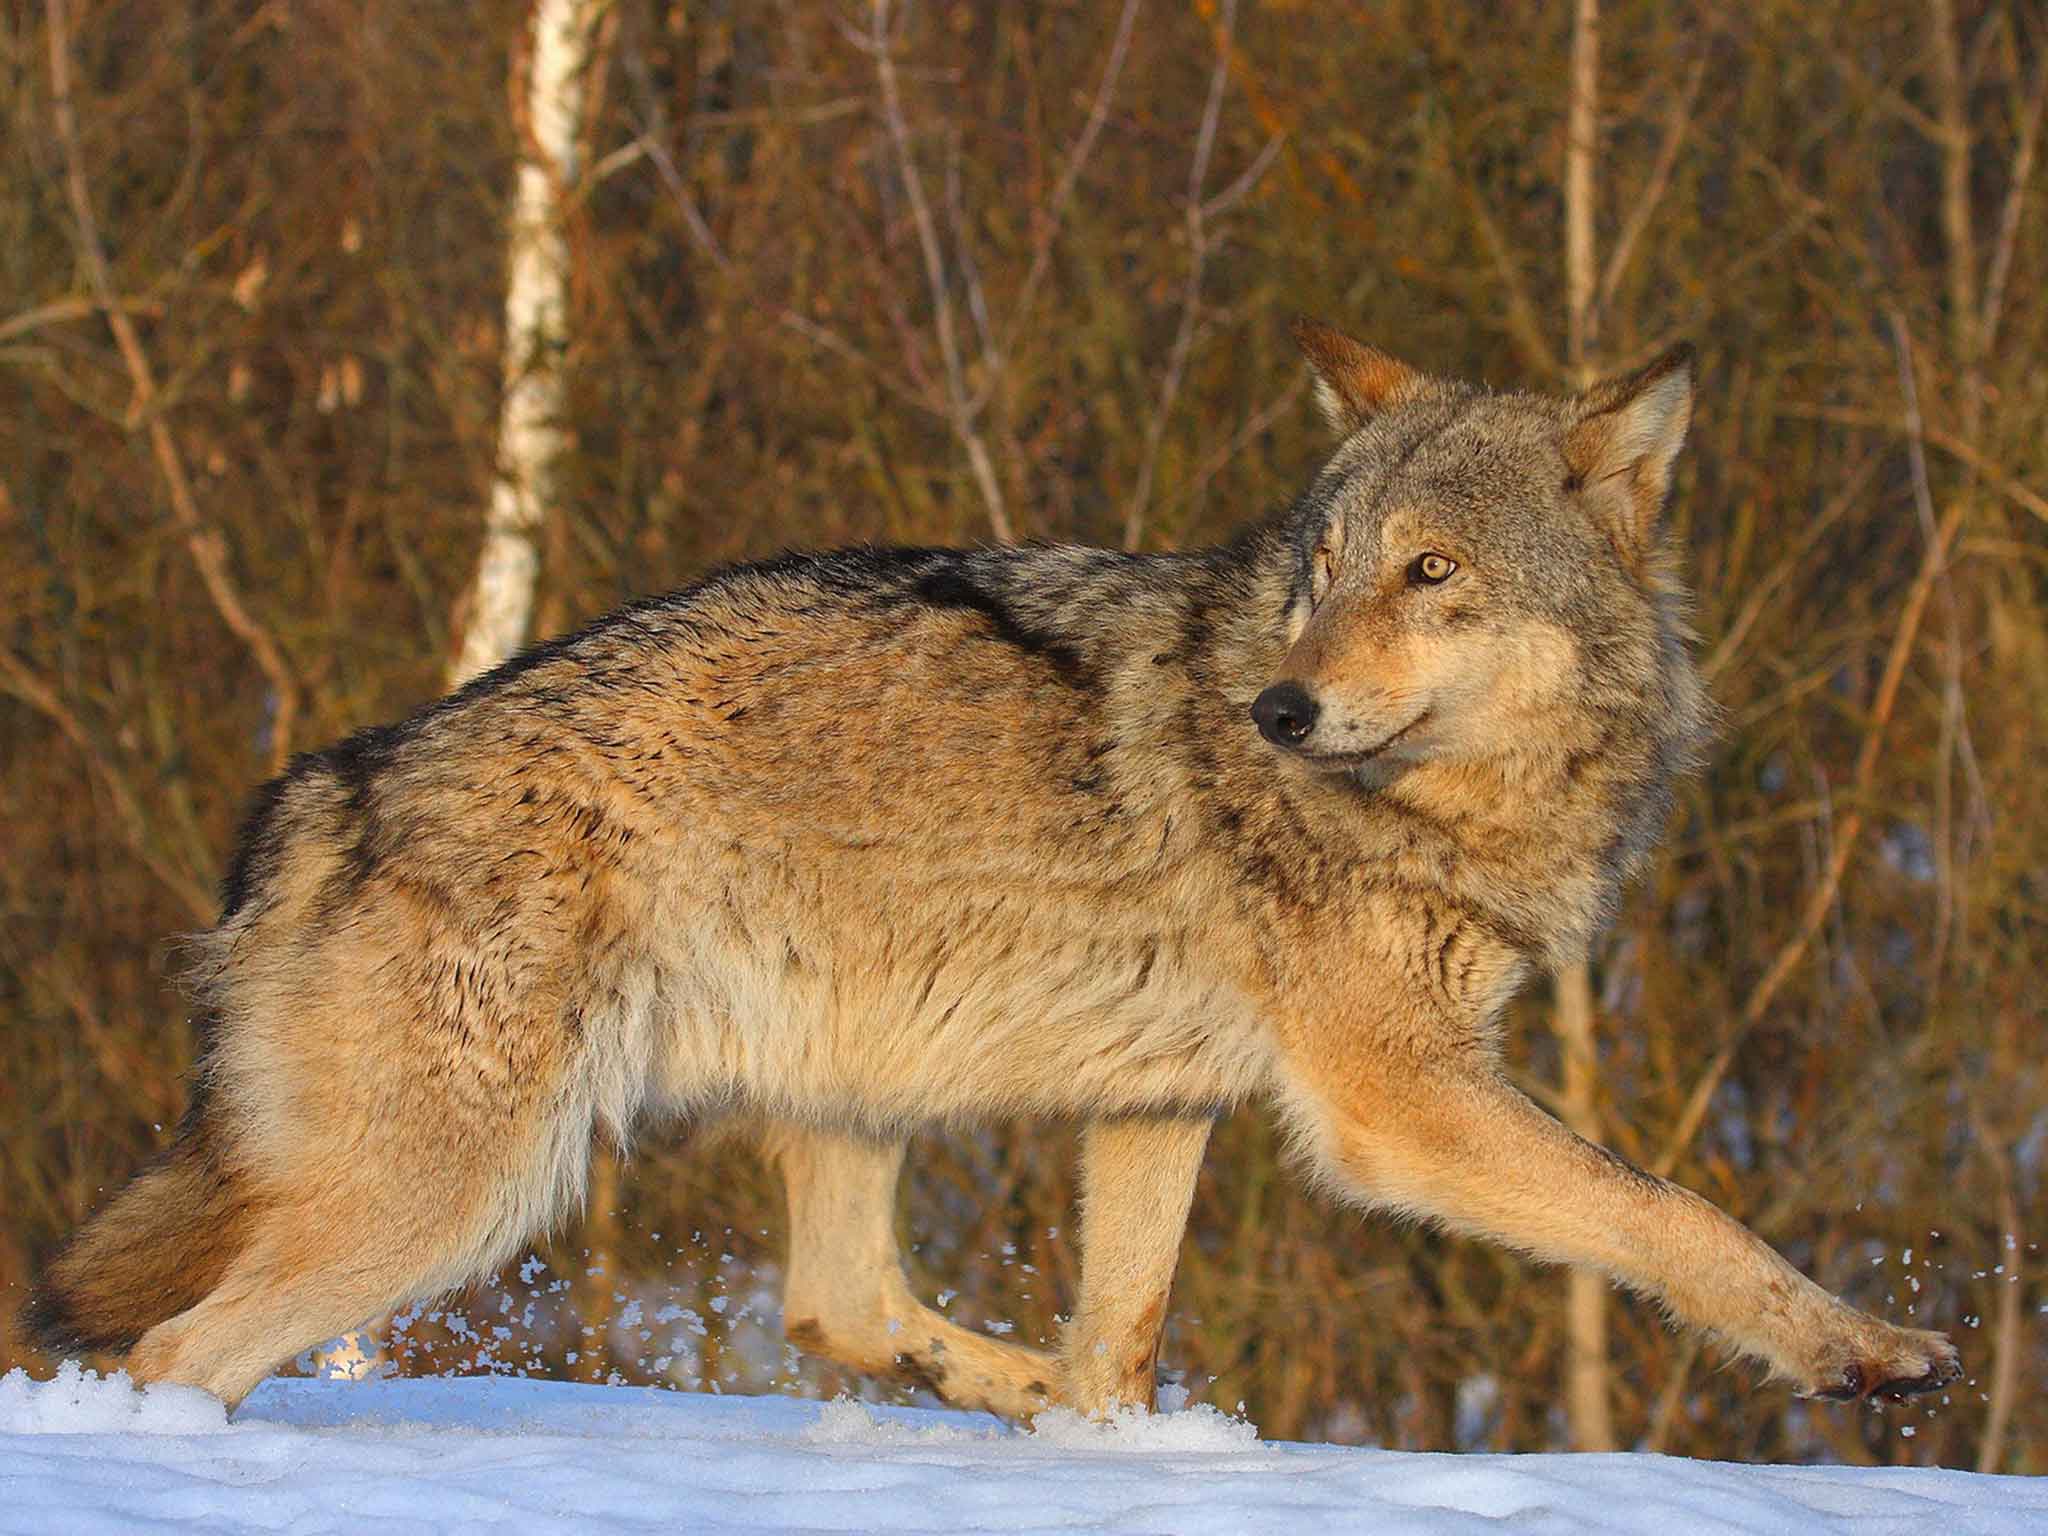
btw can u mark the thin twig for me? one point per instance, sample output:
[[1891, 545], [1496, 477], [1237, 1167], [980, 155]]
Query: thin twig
[[203, 541], [1665, 1414], [1247, 179], [68, 309], [2007, 1332], [1890, 97], [1254, 424], [1524, 328], [1070, 176], [1645, 204], [1958, 227], [960, 410], [693, 217], [1731, 640], [1933, 562], [818, 335], [19, 682], [1952, 684], [1935, 437], [2015, 202], [1198, 213], [970, 271]]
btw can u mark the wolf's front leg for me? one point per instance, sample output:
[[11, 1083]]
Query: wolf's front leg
[[1466, 1148], [1137, 1181]]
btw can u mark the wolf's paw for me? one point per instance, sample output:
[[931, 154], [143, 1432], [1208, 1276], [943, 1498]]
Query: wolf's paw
[[1899, 1363]]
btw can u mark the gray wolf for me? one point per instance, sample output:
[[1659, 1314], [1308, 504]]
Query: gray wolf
[[841, 846]]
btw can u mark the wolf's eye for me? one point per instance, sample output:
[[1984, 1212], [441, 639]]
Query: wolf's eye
[[1326, 569], [1430, 569]]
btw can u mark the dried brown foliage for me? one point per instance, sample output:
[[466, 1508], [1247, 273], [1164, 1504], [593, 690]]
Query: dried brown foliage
[[1824, 1010]]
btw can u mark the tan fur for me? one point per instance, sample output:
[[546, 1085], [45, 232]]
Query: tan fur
[[159, 1247], [859, 844]]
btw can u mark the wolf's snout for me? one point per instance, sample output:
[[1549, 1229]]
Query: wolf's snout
[[1285, 714]]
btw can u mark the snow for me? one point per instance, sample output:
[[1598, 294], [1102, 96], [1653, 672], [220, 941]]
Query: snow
[[82, 1454]]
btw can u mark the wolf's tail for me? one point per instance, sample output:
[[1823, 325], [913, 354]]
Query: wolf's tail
[[158, 1247]]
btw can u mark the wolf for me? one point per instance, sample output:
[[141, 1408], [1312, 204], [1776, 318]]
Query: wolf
[[844, 846]]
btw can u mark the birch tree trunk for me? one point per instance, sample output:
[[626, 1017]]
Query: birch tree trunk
[[1589, 1403], [530, 432]]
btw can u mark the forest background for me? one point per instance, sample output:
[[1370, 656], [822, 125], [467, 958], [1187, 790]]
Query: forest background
[[273, 357]]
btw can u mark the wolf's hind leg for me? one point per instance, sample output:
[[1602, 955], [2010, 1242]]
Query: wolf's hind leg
[[360, 1229], [1137, 1181], [844, 1296], [303, 1278]]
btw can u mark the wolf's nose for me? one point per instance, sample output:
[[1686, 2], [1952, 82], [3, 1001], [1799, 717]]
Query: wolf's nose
[[1285, 714]]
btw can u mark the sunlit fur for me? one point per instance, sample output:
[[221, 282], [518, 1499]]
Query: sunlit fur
[[843, 846]]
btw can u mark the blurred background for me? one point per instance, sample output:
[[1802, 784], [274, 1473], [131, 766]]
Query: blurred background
[[307, 305]]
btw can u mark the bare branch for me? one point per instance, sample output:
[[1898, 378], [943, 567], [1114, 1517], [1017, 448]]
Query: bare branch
[[1197, 213], [1249, 178], [1818, 905], [1644, 206], [1254, 424], [2008, 1330], [1678, 1376], [790, 319], [1952, 98], [19, 682], [1070, 175], [203, 542], [961, 411], [59, 310], [1952, 686], [1524, 328], [1752, 609], [2015, 202], [693, 217], [970, 270], [1888, 96], [1935, 437]]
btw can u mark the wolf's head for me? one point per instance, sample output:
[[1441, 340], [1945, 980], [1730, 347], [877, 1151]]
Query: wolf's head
[[1479, 575], [1471, 564]]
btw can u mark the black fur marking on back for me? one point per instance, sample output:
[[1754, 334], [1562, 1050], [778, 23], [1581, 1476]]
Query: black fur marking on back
[[952, 586], [256, 846], [357, 760]]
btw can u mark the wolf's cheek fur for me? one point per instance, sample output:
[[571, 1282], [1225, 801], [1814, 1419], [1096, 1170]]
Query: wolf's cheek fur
[[1479, 681]]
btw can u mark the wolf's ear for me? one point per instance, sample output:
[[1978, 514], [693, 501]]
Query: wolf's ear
[[1354, 382], [1622, 444]]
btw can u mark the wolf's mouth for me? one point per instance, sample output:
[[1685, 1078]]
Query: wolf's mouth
[[1339, 761]]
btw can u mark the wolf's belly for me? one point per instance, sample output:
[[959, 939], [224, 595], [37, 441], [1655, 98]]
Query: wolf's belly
[[892, 1005]]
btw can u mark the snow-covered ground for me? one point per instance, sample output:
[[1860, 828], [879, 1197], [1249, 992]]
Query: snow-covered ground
[[81, 1455]]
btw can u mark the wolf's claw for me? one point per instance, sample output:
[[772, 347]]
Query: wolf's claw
[[1860, 1379]]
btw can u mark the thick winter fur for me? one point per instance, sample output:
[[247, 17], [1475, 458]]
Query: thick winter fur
[[858, 843]]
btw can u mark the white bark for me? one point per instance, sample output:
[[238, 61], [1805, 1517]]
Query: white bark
[[1581, 149], [1589, 1399], [530, 433]]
